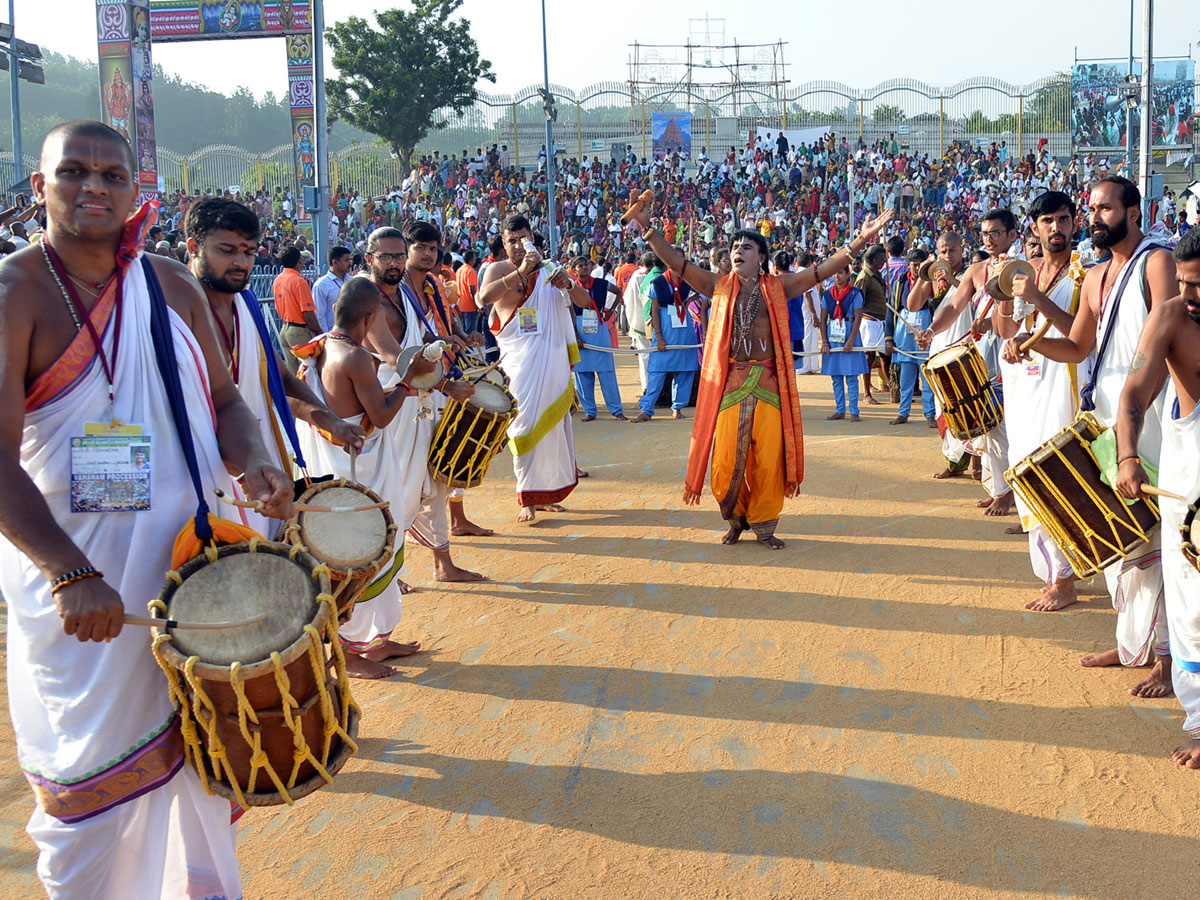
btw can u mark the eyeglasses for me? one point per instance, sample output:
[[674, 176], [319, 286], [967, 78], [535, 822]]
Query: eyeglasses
[[994, 235], [386, 258]]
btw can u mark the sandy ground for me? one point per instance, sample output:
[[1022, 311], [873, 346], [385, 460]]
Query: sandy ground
[[631, 710]]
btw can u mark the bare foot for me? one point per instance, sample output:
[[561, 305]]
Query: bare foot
[[588, 418], [447, 571], [1158, 682], [1054, 597], [581, 473], [640, 417], [733, 535], [1014, 529], [770, 542], [366, 669], [946, 473], [899, 420], [390, 649], [871, 401], [405, 587], [461, 526], [621, 417], [931, 422], [835, 417], [1002, 505], [1099, 660], [984, 503], [527, 515], [1188, 754], [854, 417], [551, 507], [678, 414], [976, 469]]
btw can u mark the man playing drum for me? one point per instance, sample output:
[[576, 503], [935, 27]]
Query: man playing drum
[[1041, 395], [1117, 297], [343, 375], [403, 325], [1170, 343], [119, 815], [999, 232], [222, 238]]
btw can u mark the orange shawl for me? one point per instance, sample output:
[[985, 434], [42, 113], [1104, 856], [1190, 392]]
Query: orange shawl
[[716, 370]]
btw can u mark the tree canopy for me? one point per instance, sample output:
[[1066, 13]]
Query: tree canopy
[[403, 79]]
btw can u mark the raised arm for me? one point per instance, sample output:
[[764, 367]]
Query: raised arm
[[1147, 375], [795, 283]]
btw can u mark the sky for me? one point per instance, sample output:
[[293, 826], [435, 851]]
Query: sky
[[1031, 38]]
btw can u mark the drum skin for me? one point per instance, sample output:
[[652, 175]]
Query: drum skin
[[214, 667]]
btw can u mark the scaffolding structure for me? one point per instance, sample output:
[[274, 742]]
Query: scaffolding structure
[[745, 80]]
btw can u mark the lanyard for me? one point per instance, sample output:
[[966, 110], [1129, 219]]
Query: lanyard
[[83, 317], [454, 371], [231, 343]]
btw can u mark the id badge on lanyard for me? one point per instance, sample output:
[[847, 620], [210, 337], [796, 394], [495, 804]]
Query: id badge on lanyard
[[589, 322], [110, 468], [527, 320], [837, 331]]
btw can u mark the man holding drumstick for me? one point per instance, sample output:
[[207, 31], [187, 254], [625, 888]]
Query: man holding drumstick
[[119, 815]]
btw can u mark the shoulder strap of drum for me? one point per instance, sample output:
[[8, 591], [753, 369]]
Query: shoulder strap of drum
[[275, 386], [1087, 393], [168, 367]]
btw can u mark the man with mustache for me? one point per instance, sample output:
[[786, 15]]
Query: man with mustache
[[1040, 395], [1170, 344], [222, 239], [1116, 298]]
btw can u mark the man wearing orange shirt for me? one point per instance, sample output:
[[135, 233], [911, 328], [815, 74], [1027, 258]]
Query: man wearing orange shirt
[[468, 283], [294, 303]]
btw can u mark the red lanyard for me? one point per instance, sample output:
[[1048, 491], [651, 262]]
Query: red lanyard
[[838, 314], [84, 315], [231, 344]]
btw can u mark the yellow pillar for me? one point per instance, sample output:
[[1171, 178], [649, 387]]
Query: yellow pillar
[[516, 157], [334, 180], [260, 174], [707, 128], [862, 107], [183, 171], [579, 128], [1020, 125]]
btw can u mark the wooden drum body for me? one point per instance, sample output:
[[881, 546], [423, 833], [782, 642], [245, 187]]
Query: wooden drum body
[[469, 434], [1190, 532], [959, 378], [356, 546], [264, 721], [1060, 483]]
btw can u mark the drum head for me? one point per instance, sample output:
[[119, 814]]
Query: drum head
[[241, 586], [343, 540], [421, 382], [1194, 529], [492, 398], [950, 354]]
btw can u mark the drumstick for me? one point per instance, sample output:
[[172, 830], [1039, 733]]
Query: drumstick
[[353, 451], [1037, 335], [636, 207], [1159, 492], [483, 373], [257, 505], [172, 623]]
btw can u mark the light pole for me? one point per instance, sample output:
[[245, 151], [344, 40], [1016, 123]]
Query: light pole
[[1129, 106], [14, 81], [1147, 138], [320, 215], [550, 115]]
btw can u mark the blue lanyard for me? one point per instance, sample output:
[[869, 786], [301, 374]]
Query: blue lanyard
[[454, 370]]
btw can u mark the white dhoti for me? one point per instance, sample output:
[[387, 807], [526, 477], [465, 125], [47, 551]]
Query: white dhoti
[[952, 448], [537, 346], [810, 364], [1041, 398], [380, 467], [119, 816], [1179, 473], [1135, 583]]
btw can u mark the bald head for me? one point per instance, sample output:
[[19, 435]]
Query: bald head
[[358, 298], [59, 135]]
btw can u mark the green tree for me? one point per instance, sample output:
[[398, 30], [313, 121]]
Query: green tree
[[885, 113], [413, 74]]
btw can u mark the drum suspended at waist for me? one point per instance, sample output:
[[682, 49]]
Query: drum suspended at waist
[[469, 435]]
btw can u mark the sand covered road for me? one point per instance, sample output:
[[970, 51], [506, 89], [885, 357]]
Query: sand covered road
[[631, 710]]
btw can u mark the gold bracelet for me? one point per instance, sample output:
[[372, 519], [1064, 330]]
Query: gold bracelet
[[649, 231]]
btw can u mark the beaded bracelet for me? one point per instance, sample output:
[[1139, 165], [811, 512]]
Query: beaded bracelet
[[73, 576]]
